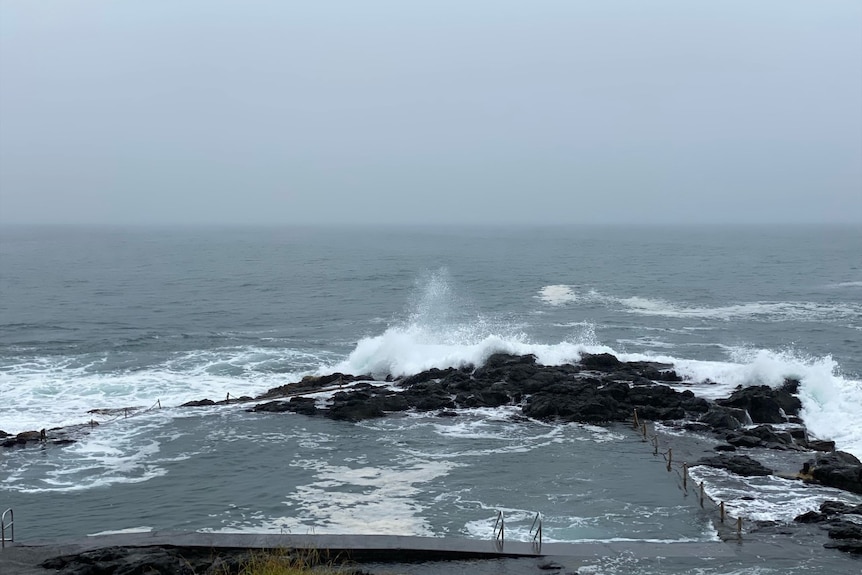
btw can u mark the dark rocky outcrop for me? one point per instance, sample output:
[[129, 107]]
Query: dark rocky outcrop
[[764, 404], [829, 511], [835, 469], [158, 561], [599, 389], [739, 464], [762, 436], [810, 517], [847, 537], [314, 383], [47, 437], [199, 403], [820, 445], [600, 361], [721, 418], [272, 407], [830, 508]]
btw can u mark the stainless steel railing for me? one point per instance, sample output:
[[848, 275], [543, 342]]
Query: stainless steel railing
[[499, 529], [4, 526], [536, 531]]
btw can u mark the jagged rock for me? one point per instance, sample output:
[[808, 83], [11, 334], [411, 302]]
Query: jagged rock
[[845, 530], [355, 411], [743, 440], [786, 397], [820, 445], [599, 361], [724, 448], [723, 418], [696, 426], [851, 546], [739, 464], [810, 517], [272, 407], [669, 375], [312, 383], [303, 405], [3, 434], [24, 438], [836, 469], [759, 401], [840, 508], [198, 403], [149, 561], [430, 375], [761, 436]]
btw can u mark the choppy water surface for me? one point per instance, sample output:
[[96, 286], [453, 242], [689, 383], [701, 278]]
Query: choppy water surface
[[116, 318]]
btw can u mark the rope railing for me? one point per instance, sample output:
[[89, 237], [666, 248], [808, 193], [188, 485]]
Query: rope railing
[[127, 412], [681, 470]]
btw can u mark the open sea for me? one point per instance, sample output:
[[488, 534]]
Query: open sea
[[106, 318]]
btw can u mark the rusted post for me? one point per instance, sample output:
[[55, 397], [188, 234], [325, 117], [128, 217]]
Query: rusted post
[[685, 476], [643, 430], [721, 511], [636, 420], [669, 458], [701, 493], [655, 444], [739, 527]]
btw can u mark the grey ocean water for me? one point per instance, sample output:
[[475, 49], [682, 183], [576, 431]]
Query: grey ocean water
[[112, 318]]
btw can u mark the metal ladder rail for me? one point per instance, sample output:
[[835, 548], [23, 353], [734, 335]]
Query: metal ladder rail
[[4, 525], [499, 529], [537, 527]]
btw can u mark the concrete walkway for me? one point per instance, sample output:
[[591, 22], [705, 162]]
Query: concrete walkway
[[22, 558]]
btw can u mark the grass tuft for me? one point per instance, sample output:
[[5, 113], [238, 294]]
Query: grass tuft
[[287, 562]]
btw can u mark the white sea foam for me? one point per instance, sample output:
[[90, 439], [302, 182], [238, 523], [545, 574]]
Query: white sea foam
[[51, 392], [141, 529], [387, 498], [832, 402], [558, 295], [647, 342], [407, 350], [777, 499], [116, 454]]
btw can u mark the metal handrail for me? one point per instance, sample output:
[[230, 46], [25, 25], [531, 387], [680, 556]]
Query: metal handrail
[[499, 533], [4, 525], [537, 537]]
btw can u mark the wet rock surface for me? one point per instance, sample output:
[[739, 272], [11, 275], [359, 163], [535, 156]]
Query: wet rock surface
[[739, 464], [835, 469], [159, 560], [843, 523]]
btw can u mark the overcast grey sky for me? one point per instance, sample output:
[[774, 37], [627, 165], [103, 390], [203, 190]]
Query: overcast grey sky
[[204, 111]]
